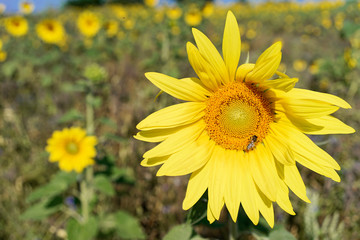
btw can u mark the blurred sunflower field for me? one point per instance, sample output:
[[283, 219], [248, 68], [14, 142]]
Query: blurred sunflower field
[[80, 70]]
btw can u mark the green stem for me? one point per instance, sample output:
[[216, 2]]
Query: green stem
[[89, 114], [233, 230], [86, 185]]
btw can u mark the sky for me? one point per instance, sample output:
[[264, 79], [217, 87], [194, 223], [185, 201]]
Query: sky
[[40, 5]]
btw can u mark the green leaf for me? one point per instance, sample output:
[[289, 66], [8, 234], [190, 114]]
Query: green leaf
[[58, 184], [42, 209], [116, 138], [104, 185], [179, 232], [127, 226], [123, 175], [71, 116], [281, 234], [85, 231], [9, 68]]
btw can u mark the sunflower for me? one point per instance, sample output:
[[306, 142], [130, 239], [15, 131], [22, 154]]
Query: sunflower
[[72, 149], [151, 3], [88, 24], [16, 26], [193, 17], [240, 131], [111, 27], [51, 31], [26, 7]]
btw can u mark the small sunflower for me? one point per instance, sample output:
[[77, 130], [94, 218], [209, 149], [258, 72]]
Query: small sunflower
[[17, 26], [51, 31], [26, 7], [151, 3], [240, 132], [111, 27], [72, 149], [88, 24], [193, 17]]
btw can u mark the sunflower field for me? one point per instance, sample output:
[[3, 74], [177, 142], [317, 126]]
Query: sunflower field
[[73, 98]]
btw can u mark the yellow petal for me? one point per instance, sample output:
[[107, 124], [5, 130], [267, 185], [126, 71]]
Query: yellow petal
[[185, 89], [150, 162], [283, 200], [216, 183], [157, 135], [248, 190], [284, 84], [243, 70], [207, 75], [231, 44], [263, 170], [178, 141], [293, 179], [173, 116], [211, 55], [189, 159], [265, 207], [330, 125], [197, 185], [271, 51], [231, 184], [324, 97], [300, 143], [210, 215], [307, 108], [266, 65], [279, 149], [313, 165]]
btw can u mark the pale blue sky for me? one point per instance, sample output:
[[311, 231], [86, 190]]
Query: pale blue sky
[[12, 5]]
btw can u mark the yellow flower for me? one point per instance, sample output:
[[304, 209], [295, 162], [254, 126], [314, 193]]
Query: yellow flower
[[3, 56], [16, 26], [51, 31], [151, 3], [208, 9], [26, 7], [72, 149], [193, 17], [174, 13], [299, 65], [239, 133], [88, 24], [111, 28]]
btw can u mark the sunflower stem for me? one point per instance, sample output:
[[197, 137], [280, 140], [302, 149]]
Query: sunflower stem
[[233, 230], [86, 185]]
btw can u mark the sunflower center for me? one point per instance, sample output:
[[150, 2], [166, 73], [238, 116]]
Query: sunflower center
[[237, 116], [72, 148]]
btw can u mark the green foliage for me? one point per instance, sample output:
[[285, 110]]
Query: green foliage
[[281, 234], [82, 231], [180, 232], [58, 184], [124, 225], [104, 185]]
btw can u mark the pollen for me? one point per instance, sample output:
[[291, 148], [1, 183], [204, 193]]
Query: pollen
[[238, 116]]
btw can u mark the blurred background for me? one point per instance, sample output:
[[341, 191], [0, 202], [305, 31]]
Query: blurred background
[[46, 47]]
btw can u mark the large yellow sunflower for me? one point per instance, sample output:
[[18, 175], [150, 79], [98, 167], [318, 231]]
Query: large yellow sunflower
[[240, 132], [51, 31], [72, 149], [16, 26]]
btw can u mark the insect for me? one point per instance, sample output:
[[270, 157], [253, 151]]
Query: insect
[[252, 142]]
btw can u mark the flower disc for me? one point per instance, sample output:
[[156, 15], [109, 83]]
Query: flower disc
[[237, 116]]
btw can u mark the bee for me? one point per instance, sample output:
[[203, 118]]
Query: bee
[[252, 142]]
